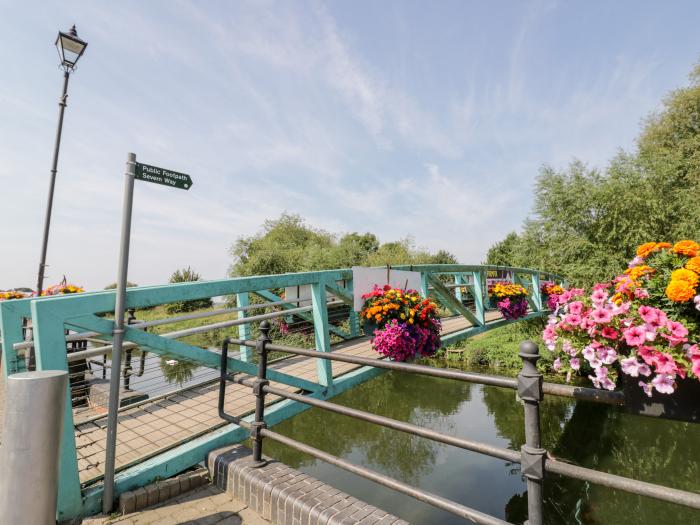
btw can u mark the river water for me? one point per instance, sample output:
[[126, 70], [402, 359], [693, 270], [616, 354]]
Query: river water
[[586, 434]]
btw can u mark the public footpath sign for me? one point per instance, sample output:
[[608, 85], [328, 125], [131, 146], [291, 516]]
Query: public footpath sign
[[162, 176], [134, 171]]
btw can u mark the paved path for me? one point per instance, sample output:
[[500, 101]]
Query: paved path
[[207, 505], [2, 400]]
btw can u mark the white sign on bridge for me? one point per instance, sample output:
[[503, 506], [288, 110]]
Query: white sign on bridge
[[364, 279]]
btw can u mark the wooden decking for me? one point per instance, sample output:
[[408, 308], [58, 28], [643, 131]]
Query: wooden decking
[[161, 424]]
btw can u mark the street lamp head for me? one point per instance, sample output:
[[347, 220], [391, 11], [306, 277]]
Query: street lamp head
[[70, 48]]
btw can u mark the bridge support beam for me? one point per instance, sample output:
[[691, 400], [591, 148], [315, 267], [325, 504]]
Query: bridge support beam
[[321, 332], [244, 331]]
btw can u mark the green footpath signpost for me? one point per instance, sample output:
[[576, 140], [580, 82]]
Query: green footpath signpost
[[134, 171], [162, 176]]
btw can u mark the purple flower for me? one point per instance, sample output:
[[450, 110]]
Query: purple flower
[[575, 363], [663, 383], [646, 387], [557, 364], [630, 366]]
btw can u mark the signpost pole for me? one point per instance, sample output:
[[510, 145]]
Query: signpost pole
[[118, 337]]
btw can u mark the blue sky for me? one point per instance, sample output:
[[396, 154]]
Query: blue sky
[[428, 119]]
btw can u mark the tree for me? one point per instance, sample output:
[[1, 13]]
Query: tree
[[585, 224], [187, 275], [288, 244], [113, 286], [503, 253]]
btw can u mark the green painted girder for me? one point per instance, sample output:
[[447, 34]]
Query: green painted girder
[[449, 300], [308, 317], [172, 347], [460, 335]]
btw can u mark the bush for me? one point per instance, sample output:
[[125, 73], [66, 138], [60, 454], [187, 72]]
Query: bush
[[187, 275], [112, 286]]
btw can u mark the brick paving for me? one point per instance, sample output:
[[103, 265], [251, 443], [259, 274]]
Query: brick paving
[[206, 505]]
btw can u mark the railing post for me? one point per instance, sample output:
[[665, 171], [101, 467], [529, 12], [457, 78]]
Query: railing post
[[243, 299], [259, 391], [536, 291], [130, 319], [354, 318], [321, 331], [479, 280], [531, 453], [459, 279]]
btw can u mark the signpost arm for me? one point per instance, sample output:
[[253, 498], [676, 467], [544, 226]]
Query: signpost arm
[[118, 336]]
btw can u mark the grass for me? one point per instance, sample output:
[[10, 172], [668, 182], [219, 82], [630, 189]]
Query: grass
[[498, 348]]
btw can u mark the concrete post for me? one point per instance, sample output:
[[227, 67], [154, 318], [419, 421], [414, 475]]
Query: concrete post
[[29, 455]]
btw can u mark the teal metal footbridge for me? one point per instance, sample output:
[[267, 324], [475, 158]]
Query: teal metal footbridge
[[168, 416]]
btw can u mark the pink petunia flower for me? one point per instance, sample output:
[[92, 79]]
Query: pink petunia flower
[[646, 387], [610, 333], [601, 315], [641, 293], [599, 296], [556, 365], [630, 366], [572, 319], [575, 363], [663, 383], [576, 307], [635, 336]]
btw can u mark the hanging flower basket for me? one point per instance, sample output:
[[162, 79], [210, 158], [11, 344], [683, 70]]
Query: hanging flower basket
[[550, 292], [403, 325], [645, 325], [509, 298]]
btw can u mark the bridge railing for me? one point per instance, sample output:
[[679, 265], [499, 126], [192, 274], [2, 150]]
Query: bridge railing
[[535, 461], [59, 322]]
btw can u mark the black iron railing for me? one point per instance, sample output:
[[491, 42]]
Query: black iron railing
[[535, 461]]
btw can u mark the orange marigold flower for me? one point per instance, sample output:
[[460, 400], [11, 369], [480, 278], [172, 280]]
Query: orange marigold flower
[[693, 264], [645, 249], [686, 247], [636, 272], [687, 276], [662, 246], [680, 291]]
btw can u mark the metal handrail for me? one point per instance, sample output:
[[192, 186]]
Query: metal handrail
[[531, 388], [580, 393]]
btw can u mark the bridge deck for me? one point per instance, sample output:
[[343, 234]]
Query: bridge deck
[[155, 426]]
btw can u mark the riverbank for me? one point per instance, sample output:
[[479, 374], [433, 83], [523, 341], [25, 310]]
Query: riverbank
[[498, 348]]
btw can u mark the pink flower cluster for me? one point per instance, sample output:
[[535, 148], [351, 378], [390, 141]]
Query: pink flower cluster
[[599, 337], [403, 341], [513, 308]]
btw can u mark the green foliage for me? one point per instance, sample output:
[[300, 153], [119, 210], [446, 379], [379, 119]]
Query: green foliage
[[288, 244], [113, 286], [503, 252], [499, 348], [585, 224], [187, 275]]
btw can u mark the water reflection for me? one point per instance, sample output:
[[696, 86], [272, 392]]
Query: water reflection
[[177, 371], [587, 434]]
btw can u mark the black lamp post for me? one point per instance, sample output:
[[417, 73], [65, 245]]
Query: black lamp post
[[70, 49]]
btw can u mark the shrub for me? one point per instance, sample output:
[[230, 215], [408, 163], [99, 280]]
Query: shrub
[[187, 275]]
